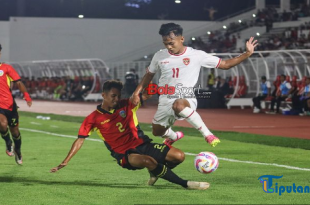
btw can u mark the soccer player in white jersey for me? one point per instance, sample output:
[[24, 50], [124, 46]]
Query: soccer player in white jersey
[[180, 67]]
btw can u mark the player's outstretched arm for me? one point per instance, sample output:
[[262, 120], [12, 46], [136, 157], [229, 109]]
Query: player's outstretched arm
[[250, 46], [76, 146], [147, 78], [23, 90]]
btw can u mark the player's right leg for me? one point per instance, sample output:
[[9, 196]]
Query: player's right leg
[[162, 171], [187, 110], [13, 120], [5, 134]]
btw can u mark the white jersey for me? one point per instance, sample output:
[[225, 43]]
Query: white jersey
[[182, 69]]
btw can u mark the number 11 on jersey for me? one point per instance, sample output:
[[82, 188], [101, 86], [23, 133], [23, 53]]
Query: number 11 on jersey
[[175, 72]]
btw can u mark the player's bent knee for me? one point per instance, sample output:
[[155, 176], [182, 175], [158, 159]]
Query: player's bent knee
[[177, 107], [3, 124], [15, 132], [175, 156], [179, 156], [149, 162]]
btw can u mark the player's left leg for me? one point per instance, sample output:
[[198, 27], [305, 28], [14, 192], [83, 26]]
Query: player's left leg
[[157, 169], [17, 144], [174, 157], [183, 108], [167, 133]]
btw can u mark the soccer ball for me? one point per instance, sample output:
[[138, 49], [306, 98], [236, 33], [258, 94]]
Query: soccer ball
[[206, 162]]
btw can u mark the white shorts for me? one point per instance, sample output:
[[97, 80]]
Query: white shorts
[[165, 115]]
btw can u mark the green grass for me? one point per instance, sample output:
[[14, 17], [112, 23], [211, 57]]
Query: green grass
[[93, 177]]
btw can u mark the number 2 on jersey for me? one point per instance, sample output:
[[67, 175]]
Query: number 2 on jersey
[[120, 127], [175, 72]]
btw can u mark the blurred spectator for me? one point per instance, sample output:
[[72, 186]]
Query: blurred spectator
[[222, 86], [211, 80], [265, 92], [211, 11], [86, 85], [131, 82], [282, 93], [301, 101]]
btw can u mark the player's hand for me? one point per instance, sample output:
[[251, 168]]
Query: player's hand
[[250, 45], [55, 169], [29, 103], [135, 99], [28, 99]]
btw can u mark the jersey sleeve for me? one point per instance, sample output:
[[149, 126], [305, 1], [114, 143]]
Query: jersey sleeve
[[154, 66], [86, 127], [12, 73], [288, 85], [209, 61], [268, 84]]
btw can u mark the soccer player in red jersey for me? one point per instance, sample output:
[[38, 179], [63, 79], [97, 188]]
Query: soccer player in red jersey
[[8, 110], [116, 123]]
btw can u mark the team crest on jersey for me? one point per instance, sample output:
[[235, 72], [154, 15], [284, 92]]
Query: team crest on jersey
[[1, 72], [186, 61], [122, 113]]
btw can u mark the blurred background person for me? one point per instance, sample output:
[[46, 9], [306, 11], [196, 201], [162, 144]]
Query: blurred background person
[[265, 92]]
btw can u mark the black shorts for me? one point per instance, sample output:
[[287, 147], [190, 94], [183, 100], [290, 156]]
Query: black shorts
[[155, 150], [11, 116]]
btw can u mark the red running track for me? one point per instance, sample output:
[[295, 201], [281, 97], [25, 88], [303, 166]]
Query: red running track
[[216, 119]]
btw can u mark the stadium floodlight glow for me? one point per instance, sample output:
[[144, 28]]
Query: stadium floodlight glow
[[177, 1], [193, 38], [145, 57], [258, 34], [239, 21], [81, 16], [254, 15], [224, 27], [208, 32]]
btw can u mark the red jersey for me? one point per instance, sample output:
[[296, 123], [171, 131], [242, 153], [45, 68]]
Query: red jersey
[[119, 129], [7, 75]]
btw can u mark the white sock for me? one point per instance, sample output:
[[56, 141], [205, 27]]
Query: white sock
[[170, 134], [195, 120]]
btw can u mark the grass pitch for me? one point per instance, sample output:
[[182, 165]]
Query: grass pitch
[[93, 176]]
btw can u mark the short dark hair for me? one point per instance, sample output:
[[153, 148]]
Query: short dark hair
[[108, 85], [167, 28], [0, 47], [264, 78], [283, 75]]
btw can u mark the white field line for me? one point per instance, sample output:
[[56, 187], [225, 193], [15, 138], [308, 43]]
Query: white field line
[[255, 127], [187, 153], [35, 123]]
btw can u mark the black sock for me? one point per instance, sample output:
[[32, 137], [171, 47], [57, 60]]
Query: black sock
[[171, 165], [164, 172], [17, 143], [6, 137]]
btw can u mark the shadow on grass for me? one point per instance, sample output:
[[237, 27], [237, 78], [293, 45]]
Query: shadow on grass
[[30, 182]]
